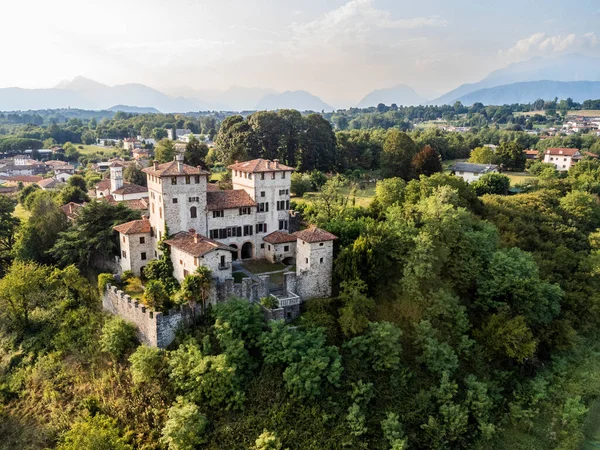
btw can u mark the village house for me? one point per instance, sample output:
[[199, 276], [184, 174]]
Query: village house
[[118, 189], [131, 144], [50, 184], [472, 172], [562, 158]]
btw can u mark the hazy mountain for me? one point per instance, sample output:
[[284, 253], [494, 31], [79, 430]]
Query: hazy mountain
[[400, 95], [300, 100], [18, 99], [134, 109], [241, 98], [530, 91], [569, 67]]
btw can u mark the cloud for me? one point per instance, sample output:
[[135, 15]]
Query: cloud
[[541, 43]]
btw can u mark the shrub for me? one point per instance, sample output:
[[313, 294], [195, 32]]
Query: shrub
[[147, 364], [117, 336], [185, 428], [94, 433], [269, 302]]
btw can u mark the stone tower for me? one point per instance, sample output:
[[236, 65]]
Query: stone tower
[[116, 177], [177, 197], [314, 262]]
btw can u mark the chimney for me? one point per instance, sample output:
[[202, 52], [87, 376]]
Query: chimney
[[194, 234], [276, 161], [179, 159], [155, 162]]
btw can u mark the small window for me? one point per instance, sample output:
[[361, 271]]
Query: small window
[[286, 248], [262, 176], [306, 260], [262, 246], [197, 179], [174, 200], [123, 238], [155, 254], [282, 175], [124, 253], [321, 261], [262, 193], [269, 247], [321, 244], [173, 180], [219, 213], [180, 262], [193, 212], [272, 175], [187, 179], [142, 240], [143, 256], [160, 212], [185, 273], [249, 176]]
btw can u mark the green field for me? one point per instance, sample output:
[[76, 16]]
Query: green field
[[92, 150], [364, 197], [518, 177]]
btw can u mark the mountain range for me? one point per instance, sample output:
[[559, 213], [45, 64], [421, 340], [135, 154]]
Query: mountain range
[[570, 75]]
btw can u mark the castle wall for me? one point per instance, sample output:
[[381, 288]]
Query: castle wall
[[314, 267]]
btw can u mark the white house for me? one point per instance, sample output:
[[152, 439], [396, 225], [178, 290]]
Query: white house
[[472, 172], [562, 158]]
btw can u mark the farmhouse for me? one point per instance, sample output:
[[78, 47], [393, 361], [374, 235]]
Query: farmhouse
[[562, 158]]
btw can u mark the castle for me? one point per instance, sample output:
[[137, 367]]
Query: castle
[[217, 228]]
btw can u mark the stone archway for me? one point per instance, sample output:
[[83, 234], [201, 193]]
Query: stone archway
[[247, 250], [234, 255]]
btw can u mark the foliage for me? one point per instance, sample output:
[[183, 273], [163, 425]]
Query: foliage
[[117, 337], [195, 153], [133, 174], [8, 228], [354, 314], [426, 162], [72, 194], [484, 155], [164, 150], [491, 183], [397, 156], [308, 362], [155, 294], [511, 156], [379, 348], [103, 280], [300, 183], [147, 364], [267, 441], [185, 428], [97, 432]]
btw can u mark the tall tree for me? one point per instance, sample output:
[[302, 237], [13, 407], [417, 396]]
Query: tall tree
[[8, 228], [164, 151], [511, 156], [427, 162], [195, 153], [398, 152]]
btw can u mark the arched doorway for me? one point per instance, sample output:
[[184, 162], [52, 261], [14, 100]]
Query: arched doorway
[[234, 255], [247, 250]]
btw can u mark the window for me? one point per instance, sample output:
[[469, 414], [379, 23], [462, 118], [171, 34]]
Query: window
[[283, 224], [261, 228], [287, 192], [124, 253], [223, 262], [143, 256], [155, 254], [262, 193], [174, 199], [262, 176], [306, 260], [187, 179], [185, 273], [286, 248], [193, 212], [152, 207], [263, 207], [269, 247], [280, 205], [321, 261], [262, 246], [247, 230], [287, 204], [196, 261], [142, 240], [249, 176], [193, 199], [282, 191], [123, 238], [283, 175], [272, 175], [565, 159], [321, 244], [245, 210], [214, 234], [219, 213], [160, 212], [197, 179], [173, 180], [152, 232], [180, 262]]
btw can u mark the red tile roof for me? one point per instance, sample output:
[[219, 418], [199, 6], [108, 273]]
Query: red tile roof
[[103, 185], [134, 227], [24, 178], [315, 234], [171, 169], [49, 183], [562, 151], [279, 237], [212, 187], [71, 210], [260, 165], [138, 204], [195, 244], [130, 188], [234, 198]]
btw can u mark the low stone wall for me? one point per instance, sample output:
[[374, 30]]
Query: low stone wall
[[154, 328]]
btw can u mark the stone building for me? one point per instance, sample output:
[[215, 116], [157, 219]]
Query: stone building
[[205, 226]]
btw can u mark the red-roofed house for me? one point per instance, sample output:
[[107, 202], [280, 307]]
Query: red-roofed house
[[562, 158]]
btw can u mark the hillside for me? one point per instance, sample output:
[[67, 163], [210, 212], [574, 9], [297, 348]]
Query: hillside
[[300, 100], [400, 95], [528, 92]]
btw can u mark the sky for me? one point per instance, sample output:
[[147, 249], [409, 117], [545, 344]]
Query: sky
[[337, 49]]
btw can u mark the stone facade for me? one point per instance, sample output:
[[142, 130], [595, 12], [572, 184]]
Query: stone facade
[[314, 267], [136, 250]]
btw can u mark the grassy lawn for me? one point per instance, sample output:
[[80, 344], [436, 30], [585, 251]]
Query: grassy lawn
[[21, 212], [364, 197], [262, 266], [518, 177], [585, 113], [216, 176]]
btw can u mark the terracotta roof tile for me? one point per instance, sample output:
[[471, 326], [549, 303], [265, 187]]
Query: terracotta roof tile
[[138, 204], [195, 244], [212, 187], [49, 183], [315, 234], [170, 169], [260, 165], [25, 178], [103, 185], [561, 151], [130, 188], [71, 210], [235, 198], [279, 237], [134, 227]]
